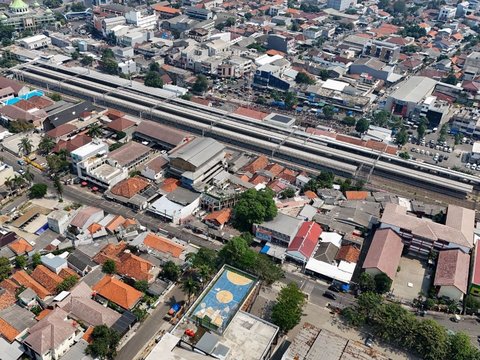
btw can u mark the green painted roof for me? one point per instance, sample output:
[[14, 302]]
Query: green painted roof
[[18, 4]]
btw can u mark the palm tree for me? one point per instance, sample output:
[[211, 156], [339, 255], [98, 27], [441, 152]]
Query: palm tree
[[28, 175], [46, 144], [191, 286], [25, 146], [9, 184], [58, 185], [95, 131]]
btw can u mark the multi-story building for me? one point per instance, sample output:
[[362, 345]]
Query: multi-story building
[[281, 43], [382, 50], [141, 20], [34, 42], [446, 13], [312, 32], [198, 13], [280, 230], [22, 17], [224, 192], [341, 5], [467, 121]]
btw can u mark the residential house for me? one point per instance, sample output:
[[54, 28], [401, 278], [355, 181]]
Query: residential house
[[20, 247], [55, 262], [218, 219], [58, 221], [23, 279], [282, 229], [130, 192], [47, 278], [51, 337], [116, 291], [85, 217], [384, 253], [451, 276], [166, 248], [305, 242], [155, 168], [81, 263]]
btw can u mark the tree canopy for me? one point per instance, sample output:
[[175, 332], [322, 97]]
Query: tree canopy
[[171, 271], [153, 79], [303, 78], [109, 267], [68, 283], [5, 268], [254, 207], [104, 343], [38, 191], [287, 311], [362, 125], [200, 85]]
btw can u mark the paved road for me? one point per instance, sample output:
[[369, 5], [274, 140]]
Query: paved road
[[80, 195], [150, 328]]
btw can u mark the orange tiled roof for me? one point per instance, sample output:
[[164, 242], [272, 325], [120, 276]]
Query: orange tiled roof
[[87, 336], [42, 314], [129, 187], [356, 195], [254, 114], [118, 292], [165, 9], [8, 331], [115, 223], [310, 194], [170, 184], [7, 299], [9, 285], [275, 169], [94, 228], [220, 216], [348, 253], [22, 278], [259, 179], [273, 52], [110, 251], [130, 222], [20, 246], [47, 278], [67, 272], [135, 267], [163, 245], [258, 164]]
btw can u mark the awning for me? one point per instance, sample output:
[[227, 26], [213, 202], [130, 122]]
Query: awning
[[94, 188], [84, 183]]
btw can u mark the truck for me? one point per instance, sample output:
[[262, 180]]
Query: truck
[[175, 311]]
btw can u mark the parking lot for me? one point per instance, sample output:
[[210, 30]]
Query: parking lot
[[414, 277]]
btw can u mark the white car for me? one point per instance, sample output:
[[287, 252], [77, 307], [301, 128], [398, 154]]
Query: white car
[[473, 167], [21, 171], [467, 165]]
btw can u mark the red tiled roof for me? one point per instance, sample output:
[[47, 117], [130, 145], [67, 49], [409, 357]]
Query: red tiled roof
[[275, 169], [94, 228], [72, 144], [115, 223], [163, 245], [165, 9], [221, 217], [259, 179], [67, 272], [135, 267], [41, 102], [114, 114], [9, 285], [7, 299], [348, 253], [42, 314], [129, 187], [201, 101], [25, 105], [258, 164], [310, 194], [118, 292], [87, 336], [170, 184], [62, 130], [306, 239], [356, 195], [452, 269], [110, 252], [384, 252], [20, 246], [46, 278]]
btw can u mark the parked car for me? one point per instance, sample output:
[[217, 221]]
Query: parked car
[[369, 341], [334, 288], [330, 295]]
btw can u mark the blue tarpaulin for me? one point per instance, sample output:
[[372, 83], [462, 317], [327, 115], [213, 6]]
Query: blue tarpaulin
[[265, 249]]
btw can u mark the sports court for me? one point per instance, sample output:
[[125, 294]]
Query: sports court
[[223, 299]]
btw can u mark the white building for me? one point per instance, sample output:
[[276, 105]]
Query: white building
[[176, 206], [127, 67], [34, 42], [140, 20], [87, 151], [341, 5], [446, 13], [58, 221], [312, 32]]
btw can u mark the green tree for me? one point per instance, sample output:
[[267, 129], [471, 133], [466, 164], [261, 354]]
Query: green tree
[[431, 340], [421, 130], [303, 78], [325, 179], [55, 96], [68, 283], [230, 22], [254, 207], [75, 55], [460, 348], [86, 60], [46, 144], [154, 66], [25, 146], [36, 310], [109, 267], [200, 85], [414, 31], [404, 155], [287, 193], [382, 283], [248, 16], [287, 311], [450, 79], [366, 282], [290, 100], [38, 191], [153, 79], [20, 261], [328, 111], [77, 7], [141, 285], [401, 136], [362, 125], [104, 343], [171, 271], [6, 31], [349, 121], [237, 253], [472, 303], [5, 268], [36, 259], [380, 118], [52, 4], [107, 53], [95, 130], [110, 66], [190, 285], [442, 136], [324, 74], [399, 7]]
